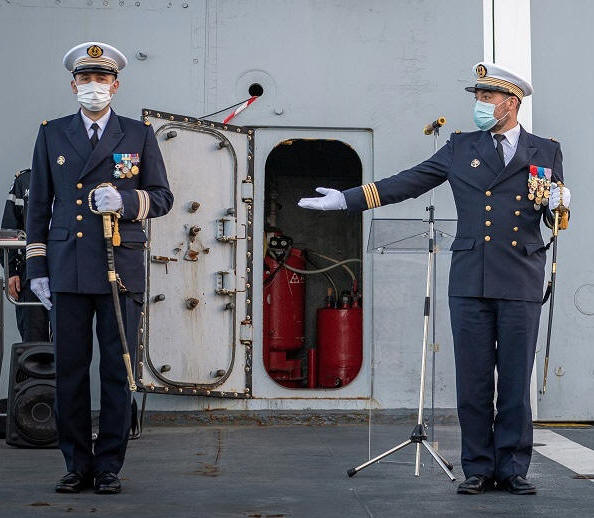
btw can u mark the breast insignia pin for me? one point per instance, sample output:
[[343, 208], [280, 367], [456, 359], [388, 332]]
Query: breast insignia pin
[[61, 160], [475, 163]]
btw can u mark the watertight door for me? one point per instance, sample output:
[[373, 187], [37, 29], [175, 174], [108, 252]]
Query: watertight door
[[196, 337]]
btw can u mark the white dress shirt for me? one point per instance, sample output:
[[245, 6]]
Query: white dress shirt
[[102, 122], [509, 143]]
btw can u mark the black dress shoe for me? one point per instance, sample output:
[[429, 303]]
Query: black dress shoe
[[107, 483], [475, 484], [517, 485], [73, 482]]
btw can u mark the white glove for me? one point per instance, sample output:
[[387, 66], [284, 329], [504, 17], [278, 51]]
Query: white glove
[[40, 286], [108, 199], [332, 200], [555, 197]]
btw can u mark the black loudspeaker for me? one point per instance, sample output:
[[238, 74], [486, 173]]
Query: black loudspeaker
[[30, 417]]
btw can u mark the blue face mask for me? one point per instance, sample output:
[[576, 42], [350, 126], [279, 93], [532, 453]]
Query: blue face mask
[[484, 115]]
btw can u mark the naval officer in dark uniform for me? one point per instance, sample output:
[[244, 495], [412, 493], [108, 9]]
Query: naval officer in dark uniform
[[66, 257], [32, 321], [504, 182]]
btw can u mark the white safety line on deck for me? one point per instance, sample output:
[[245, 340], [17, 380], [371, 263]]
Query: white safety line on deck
[[564, 451]]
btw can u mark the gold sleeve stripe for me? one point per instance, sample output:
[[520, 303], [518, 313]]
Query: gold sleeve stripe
[[375, 195], [35, 250], [371, 195], [144, 204], [367, 194]]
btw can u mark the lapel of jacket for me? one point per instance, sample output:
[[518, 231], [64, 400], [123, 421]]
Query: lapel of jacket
[[485, 148], [78, 137], [112, 135], [524, 152]]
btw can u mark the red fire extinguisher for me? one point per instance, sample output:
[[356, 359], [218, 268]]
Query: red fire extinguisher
[[284, 312], [339, 343]]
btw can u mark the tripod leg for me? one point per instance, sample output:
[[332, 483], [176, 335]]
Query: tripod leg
[[353, 471], [439, 460], [449, 465]]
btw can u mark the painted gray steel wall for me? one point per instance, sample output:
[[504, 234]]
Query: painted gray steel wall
[[562, 76], [391, 66]]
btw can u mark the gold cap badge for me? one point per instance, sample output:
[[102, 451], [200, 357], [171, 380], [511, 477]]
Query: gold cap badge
[[481, 70], [95, 51]]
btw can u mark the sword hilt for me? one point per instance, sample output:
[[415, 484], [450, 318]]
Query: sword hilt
[[107, 217]]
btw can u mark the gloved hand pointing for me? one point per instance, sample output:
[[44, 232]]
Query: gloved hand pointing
[[40, 286], [108, 199], [332, 200]]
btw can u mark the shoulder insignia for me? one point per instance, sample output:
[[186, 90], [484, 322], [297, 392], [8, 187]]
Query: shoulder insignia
[[457, 131], [553, 139], [44, 123], [147, 122]]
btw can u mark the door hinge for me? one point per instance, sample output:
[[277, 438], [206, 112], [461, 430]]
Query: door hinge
[[246, 332], [247, 190]]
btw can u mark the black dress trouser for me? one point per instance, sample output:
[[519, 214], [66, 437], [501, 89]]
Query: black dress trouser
[[72, 317], [489, 334]]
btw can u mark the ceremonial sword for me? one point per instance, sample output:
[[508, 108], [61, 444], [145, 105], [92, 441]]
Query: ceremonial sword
[[559, 212], [112, 238]]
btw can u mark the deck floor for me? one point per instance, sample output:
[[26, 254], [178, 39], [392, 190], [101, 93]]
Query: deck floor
[[284, 471]]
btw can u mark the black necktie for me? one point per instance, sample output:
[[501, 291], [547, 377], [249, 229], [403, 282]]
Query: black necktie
[[499, 138], [94, 137]]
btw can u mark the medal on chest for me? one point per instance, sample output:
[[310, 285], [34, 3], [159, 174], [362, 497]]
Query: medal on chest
[[126, 165], [539, 185]]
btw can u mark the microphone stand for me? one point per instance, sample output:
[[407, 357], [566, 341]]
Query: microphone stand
[[418, 435]]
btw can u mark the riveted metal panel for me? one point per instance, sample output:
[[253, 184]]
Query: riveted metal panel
[[196, 337]]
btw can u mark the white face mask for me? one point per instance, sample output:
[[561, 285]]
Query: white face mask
[[94, 96]]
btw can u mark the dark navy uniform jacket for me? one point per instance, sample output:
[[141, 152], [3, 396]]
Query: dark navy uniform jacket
[[15, 218], [64, 238], [499, 250]]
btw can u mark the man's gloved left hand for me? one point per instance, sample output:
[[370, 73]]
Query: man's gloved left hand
[[108, 199], [555, 198], [40, 286], [331, 200]]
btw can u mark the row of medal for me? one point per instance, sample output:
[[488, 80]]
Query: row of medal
[[126, 165], [539, 185]]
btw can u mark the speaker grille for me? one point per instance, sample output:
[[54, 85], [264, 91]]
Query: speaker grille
[[33, 409]]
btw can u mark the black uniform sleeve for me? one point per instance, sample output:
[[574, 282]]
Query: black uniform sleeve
[[410, 183], [41, 197], [154, 198]]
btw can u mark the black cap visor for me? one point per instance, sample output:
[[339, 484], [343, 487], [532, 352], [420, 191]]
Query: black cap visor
[[95, 68], [491, 88]]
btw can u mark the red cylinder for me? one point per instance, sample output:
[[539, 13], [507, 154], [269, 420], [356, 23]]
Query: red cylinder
[[284, 318], [340, 345]]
